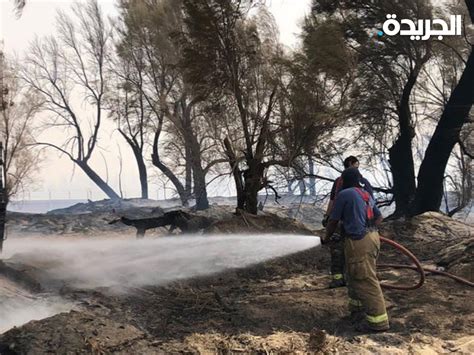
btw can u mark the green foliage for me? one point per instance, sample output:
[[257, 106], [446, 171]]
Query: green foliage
[[325, 47], [382, 65], [282, 102]]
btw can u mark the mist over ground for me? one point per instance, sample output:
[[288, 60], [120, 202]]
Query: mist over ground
[[18, 306], [122, 263]]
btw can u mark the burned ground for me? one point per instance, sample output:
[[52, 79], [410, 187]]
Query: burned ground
[[280, 306]]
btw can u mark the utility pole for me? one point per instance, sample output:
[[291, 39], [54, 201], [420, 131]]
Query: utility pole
[[3, 199]]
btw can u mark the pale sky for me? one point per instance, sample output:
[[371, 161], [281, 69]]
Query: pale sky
[[56, 178]]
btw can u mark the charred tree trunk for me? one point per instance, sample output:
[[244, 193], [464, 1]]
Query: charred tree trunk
[[3, 194], [142, 172], [199, 176], [403, 173], [137, 150], [193, 159], [156, 161], [430, 178], [3, 199], [188, 184], [302, 187], [401, 155], [312, 180], [3, 219], [288, 187], [236, 173], [183, 196], [253, 177], [97, 180], [248, 183], [455, 115], [200, 188]]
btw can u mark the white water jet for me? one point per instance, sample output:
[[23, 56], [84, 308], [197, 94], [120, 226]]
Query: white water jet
[[92, 263], [126, 263], [18, 306]]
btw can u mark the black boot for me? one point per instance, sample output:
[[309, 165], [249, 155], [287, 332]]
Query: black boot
[[335, 283]]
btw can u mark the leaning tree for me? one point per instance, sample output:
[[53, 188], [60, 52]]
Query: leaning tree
[[456, 115], [68, 68]]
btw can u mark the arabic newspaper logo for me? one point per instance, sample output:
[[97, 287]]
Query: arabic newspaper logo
[[423, 30]]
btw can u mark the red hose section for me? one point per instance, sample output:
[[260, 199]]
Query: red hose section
[[413, 258], [418, 267], [429, 270]]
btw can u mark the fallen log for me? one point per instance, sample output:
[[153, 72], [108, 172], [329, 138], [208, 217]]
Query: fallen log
[[186, 222]]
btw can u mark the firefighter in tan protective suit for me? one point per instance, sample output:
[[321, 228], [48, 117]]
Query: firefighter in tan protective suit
[[336, 247], [356, 209]]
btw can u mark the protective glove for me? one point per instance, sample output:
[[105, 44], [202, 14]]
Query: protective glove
[[335, 238]]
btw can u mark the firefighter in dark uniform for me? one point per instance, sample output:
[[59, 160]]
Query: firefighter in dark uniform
[[357, 211], [336, 246]]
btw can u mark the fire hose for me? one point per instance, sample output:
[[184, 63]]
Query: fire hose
[[417, 266]]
